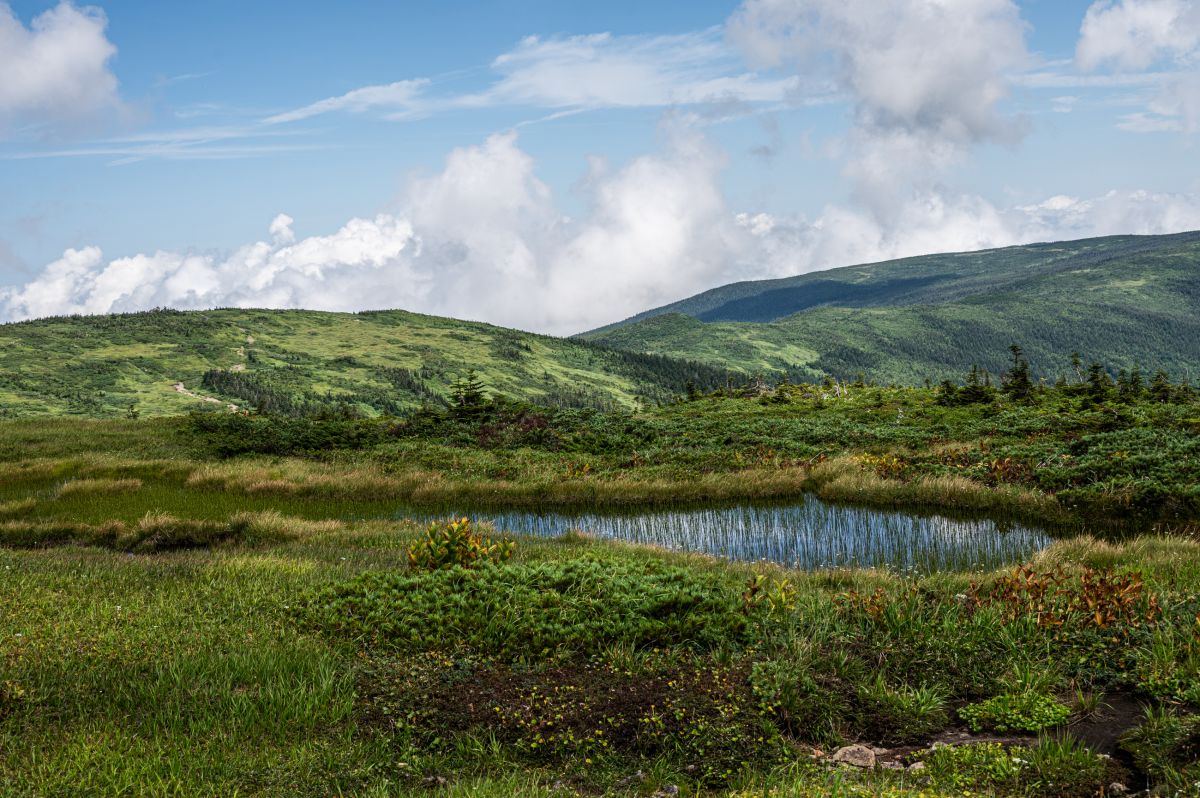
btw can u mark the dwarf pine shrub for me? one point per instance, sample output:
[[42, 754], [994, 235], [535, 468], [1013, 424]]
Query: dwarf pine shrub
[[535, 611]]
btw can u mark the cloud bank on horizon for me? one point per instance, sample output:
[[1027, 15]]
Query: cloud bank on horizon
[[925, 81]]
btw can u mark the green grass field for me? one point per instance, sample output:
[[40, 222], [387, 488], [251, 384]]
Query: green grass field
[[170, 362], [275, 669], [220, 604]]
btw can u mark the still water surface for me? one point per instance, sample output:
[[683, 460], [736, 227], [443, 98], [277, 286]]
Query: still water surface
[[807, 534]]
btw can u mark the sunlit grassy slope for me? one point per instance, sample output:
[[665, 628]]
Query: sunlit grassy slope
[[1126, 300], [387, 361]]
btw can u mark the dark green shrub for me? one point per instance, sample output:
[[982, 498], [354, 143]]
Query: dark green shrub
[[230, 434], [536, 611]]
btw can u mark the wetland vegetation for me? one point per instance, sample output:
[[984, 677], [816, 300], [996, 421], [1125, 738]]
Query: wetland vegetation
[[260, 604]]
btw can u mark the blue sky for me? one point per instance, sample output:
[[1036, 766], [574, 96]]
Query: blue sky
[[558, 165]]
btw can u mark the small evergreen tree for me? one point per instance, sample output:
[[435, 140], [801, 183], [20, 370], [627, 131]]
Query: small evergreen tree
[[947, 393], [1160, 387], [1016, 382], [1137, 383], [1098, 382], [468, 397], [1122, 385]]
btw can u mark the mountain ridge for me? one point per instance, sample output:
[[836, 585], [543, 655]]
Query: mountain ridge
[[299, 361], [1053, 297]]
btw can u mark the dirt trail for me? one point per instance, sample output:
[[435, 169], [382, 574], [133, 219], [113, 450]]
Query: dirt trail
[[179, 388]]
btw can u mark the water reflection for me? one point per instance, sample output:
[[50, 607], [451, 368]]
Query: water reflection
[[811, 534]]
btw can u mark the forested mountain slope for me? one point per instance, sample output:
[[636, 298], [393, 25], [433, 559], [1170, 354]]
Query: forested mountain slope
[[1125, 300]]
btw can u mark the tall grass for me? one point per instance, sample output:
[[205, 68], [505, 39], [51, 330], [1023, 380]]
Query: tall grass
[[842, 479]]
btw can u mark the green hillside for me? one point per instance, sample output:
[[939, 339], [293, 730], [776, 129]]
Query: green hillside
[[1126, 300], [165, 362]]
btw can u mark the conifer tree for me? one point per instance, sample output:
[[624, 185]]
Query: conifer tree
[[1016, 382], [468, 397]]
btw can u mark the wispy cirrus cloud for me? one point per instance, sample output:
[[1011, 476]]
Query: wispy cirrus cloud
[[393, 97], [560, 75], [576, 73], [195, 143]]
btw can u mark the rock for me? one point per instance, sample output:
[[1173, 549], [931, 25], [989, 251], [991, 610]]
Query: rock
[[939, 744], [1117, 788], [891, 765], [634, 779], [917, 766], [880, 751], [669, 791], [807, 751], [857, 755]]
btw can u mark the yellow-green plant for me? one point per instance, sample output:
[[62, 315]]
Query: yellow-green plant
[[457, 543], [11, 694]]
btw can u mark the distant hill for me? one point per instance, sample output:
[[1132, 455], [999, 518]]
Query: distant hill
[[1125, 300], [304, 361]]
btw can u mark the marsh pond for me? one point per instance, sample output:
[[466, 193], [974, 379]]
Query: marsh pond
[[808, 533]]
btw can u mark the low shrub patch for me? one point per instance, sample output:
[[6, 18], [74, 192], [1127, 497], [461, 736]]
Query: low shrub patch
[[155, 532], [977, 766], [696, 714], [536, 611], [806, 702], [1021, 712], [901, 713], [230, 434]]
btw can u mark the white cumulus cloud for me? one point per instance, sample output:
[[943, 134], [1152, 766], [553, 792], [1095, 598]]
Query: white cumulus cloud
[[56, 71], [481, 239], [1135, 34], [484, 239], [926, 78], [1131, 36]]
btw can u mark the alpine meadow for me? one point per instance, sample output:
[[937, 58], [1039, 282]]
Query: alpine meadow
[[729, 399]]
